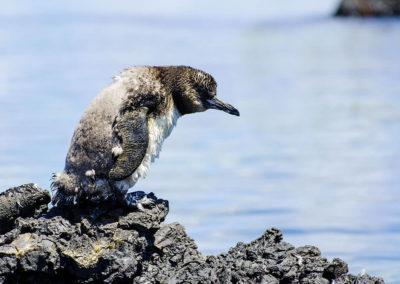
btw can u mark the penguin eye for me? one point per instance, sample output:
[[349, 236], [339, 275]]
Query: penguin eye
[[198, 90], [203, 93]]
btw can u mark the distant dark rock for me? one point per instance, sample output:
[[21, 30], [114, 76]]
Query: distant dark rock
[[369, 8], [104, 243]]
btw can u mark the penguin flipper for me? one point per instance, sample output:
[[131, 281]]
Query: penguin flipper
[[132, 129]]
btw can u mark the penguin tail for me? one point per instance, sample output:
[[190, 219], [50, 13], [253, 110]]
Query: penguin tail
[[66, 187]]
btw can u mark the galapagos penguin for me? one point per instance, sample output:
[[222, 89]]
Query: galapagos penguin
[[121, 131]]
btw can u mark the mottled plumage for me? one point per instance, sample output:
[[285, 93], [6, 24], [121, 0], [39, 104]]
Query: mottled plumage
[[122, 130]]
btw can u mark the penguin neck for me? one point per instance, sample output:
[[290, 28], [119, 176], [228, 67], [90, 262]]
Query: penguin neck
[[171, 78]]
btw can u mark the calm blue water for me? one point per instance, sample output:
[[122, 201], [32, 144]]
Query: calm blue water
[[316, 151]]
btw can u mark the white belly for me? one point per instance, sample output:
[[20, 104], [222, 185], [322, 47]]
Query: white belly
[[159, 128]]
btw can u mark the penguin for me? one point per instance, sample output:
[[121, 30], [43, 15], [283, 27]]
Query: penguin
[[122, 130]]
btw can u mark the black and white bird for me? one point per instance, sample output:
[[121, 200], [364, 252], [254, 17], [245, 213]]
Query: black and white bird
[[121, 131]]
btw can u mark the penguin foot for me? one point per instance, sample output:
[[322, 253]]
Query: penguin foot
[[140, 200]]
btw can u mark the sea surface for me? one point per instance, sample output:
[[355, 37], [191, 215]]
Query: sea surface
[[315, 152]]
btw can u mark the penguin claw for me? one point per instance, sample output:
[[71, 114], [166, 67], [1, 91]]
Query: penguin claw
[[139, 200]]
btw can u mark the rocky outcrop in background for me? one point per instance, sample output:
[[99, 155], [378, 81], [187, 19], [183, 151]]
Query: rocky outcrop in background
[[369, 8], [105, 243]]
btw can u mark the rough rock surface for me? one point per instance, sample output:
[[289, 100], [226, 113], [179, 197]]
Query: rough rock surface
[[103, 243], [23, 201], [369, 8]]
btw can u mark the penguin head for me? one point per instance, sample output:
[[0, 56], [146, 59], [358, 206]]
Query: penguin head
[[205, 94], [196, 91]]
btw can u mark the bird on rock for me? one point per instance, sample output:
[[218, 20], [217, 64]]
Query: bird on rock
[[121, 131]]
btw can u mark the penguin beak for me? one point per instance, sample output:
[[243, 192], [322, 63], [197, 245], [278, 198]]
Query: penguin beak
[[220, 105]]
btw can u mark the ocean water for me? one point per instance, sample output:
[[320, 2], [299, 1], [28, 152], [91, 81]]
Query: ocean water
[[315, 152]]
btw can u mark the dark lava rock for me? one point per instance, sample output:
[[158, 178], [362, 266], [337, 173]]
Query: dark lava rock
[[24, 201], [369, 8], [104, 243]]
